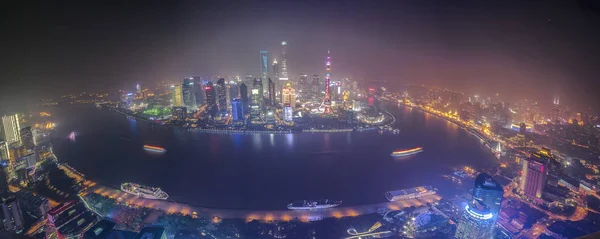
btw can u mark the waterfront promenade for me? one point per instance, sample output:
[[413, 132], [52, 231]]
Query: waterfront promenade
[[249, 215]]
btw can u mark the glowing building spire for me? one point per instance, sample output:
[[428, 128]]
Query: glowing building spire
[[327, 100]]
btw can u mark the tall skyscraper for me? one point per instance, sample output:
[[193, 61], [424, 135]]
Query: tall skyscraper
[[244, 97], [222, 95], [327, 100], [476, 222], [211, 99], [27, 138], [237, 109], [288, 95], [176, 96], [490, 193], [555, 111], [234, 90], [275, 69], [533, 178], [199, 90], [188, 93], [12, 130], [264, 64], [271, 92], [284, 64], [257, 96], [316, 86], [303, 86]]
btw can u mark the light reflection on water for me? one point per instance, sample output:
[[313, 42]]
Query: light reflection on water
[[266, 170]]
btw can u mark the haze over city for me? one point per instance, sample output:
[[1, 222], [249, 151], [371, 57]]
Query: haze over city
[[507, 47], [313, 119]]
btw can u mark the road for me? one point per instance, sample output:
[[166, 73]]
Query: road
[[261, 215]]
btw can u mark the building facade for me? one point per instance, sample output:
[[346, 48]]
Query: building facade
[[12, 129], [533, 178], [476, 222]]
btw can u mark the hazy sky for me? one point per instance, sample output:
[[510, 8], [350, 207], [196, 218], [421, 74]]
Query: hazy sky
[[535, 48]]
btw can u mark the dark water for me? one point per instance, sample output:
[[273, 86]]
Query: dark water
[[266, 171]]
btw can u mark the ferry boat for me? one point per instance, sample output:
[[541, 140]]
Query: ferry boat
[[144, 191], [407, 152], [154, 149], [410, 193], [312, 205], [72, 136]]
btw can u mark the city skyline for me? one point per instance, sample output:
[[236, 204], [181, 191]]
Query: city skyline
[[416, 46]]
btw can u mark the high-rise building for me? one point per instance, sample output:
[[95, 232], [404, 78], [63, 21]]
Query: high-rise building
[[303, 86], [327, 99], [4, 190], [27, 138], [234, 90], [257, 104], [189, 93], [176, 96], [222, 95], [288, 113], [199, 90], [533, 178], [316, 86], [271, 92], [244, 97], [476, 222], [284, 64], [211, 99], [11, 214], [12, 130], [237, 110], [275, 69], [490, 193], [4, 150], [264, 64], [288, 95], [69, 220]]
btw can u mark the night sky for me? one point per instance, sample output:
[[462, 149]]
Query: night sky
[[528, 49]]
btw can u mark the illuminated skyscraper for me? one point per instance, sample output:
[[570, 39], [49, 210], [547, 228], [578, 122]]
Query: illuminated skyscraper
[[316, 86], [288, 113], [271, 92], [237, 110], [3, 150], [257, 98], [188, 93], [27, 138], [288, 95], [303, 86], [284, 70], [244, 97], [176, 96], [264, 64], [12, 130], [490, 193], [221, 95], [275, 69], [199, 90], [533, 178], [234, 90], [555, 110], [327, 100], [211, 99], [476, 222]]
